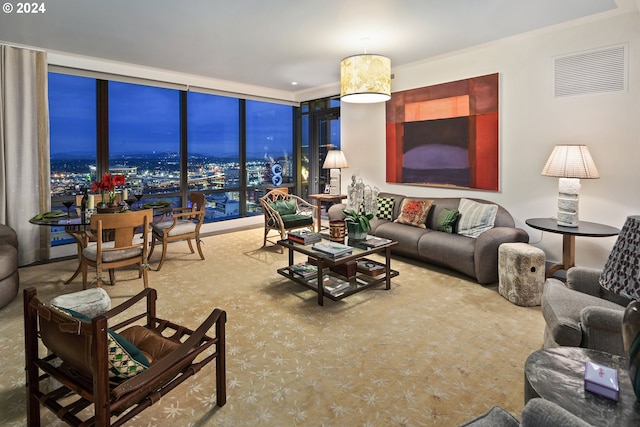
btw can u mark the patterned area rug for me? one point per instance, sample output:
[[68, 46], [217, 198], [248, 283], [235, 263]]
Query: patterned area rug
[[437, 349]]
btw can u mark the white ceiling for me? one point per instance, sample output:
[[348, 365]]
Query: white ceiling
[[272, 43]]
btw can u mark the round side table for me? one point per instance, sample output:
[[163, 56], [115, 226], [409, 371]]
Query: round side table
[[557, 375]]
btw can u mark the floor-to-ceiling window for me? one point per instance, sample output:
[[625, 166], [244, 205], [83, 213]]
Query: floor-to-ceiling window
[[168, 142]]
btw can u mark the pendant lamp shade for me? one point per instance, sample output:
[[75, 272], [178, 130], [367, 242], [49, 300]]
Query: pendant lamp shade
[[365, 78]]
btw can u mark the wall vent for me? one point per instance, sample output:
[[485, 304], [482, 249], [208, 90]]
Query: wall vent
[[594, 71]]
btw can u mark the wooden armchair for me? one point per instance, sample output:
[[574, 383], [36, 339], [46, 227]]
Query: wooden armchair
[[95, 366], [183, 224], [283, 212], [114, 247]]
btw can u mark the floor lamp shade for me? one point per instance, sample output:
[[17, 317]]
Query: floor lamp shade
[[621, 275], [570, 163], [335, 161], [365, 78]]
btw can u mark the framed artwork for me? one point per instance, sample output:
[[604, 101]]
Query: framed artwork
[[445, 135]]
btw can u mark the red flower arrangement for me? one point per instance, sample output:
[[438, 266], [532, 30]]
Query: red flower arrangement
[[108, 184]]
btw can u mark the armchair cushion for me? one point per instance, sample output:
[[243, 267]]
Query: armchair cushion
[[295, 220], [125, 359], [183, 226], [91, 252]]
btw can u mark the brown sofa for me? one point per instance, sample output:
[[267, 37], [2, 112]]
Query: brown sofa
[[474, 257], [8, 265]]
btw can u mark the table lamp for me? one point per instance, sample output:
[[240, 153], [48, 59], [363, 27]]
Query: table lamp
[[621, 275], [335, 161], [569, 163]]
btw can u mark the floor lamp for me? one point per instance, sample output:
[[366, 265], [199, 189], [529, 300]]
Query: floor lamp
[[335, 161]]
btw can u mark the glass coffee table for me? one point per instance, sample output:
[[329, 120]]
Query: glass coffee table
[[354, 272]]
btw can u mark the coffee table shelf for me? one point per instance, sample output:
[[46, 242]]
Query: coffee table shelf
[[358, 283]]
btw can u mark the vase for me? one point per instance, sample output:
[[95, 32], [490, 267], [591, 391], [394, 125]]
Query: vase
[[355, 231], [336, 230]]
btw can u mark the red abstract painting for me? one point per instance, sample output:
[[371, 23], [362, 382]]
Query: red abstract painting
[[445, 135]]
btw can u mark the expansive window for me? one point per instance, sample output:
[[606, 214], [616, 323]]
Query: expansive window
[[73, 130], [168, 142], [144, 137]]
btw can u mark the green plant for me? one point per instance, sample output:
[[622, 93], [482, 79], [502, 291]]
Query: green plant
[[362, 219]]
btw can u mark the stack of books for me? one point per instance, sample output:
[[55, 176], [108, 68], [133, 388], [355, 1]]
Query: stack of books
[[331, 284], [304, 269], [374, 242], [305, 237], [333, 249]]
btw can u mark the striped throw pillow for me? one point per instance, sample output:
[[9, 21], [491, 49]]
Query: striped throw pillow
[[475, 218]]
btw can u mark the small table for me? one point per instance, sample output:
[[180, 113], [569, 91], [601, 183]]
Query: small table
[[356, 284], [584, 228], [557, 375], [327, 198]]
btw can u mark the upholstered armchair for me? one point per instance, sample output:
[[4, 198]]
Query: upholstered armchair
[[583, 313], [283, 212]]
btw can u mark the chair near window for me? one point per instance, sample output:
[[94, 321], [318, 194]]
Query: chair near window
[[284, 212], [183, 224], [104, 370], [114, 244]]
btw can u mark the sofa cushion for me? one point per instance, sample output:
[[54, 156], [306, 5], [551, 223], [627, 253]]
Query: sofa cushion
[[476, 218], [447, 220], [448, 250], [414, 212], [385, 208]]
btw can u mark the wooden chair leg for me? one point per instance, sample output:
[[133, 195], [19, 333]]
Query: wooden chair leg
[[164, 254], [198, 244], [190, 245], [112, 276]]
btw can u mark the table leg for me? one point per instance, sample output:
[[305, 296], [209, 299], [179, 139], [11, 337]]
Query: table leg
[[320, 284], [319, 220], [568, 255], [387, 253], [80, 237]]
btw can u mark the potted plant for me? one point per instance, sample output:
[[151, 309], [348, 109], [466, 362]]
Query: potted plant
[[357, 224]]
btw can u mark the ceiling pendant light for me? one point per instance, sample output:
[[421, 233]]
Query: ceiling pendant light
[[365, 78]]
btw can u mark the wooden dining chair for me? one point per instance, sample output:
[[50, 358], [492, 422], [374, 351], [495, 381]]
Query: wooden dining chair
[[114, 243], [180, 224]]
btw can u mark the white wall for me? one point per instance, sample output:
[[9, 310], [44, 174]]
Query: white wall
[[532, 121]]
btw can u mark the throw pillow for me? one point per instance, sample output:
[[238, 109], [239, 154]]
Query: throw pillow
[[447, 220], [385, 208], [125, 359], [414, 212], [285, 207], [475, 218]]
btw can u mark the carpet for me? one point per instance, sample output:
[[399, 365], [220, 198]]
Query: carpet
[[437, 349]]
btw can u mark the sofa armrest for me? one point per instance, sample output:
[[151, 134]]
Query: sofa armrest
[[336, 211], [602, 329], [485, 253], [585, 280]]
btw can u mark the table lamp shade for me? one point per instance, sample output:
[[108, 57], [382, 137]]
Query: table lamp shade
[[621, 275], [335, 161]]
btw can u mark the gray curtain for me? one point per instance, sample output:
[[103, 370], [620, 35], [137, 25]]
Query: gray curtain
[[24, 148]]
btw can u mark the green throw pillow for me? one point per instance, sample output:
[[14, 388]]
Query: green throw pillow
[[125, 359], [285, 207], [385, 208], [447, 220]]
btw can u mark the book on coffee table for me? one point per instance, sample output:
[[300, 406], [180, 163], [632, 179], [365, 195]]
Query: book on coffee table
[[305, 237], [333, 249], [601, 380], [331, 284], [374, 242]]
